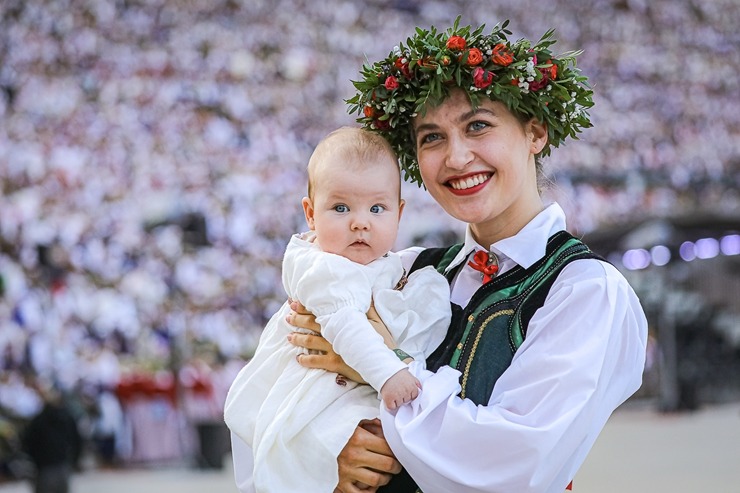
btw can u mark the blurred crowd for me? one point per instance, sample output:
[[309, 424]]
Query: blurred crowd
[[152, 157]]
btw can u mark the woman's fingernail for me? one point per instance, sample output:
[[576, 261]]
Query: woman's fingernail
[[290, 337]]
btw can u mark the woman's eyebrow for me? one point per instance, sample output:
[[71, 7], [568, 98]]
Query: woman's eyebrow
[[470, 114], [425, 126], [462, 118]]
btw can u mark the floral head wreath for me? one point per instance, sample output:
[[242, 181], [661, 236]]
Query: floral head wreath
[[526, 77]]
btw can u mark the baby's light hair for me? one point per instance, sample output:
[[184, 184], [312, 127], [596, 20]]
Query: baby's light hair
[[356, 147]]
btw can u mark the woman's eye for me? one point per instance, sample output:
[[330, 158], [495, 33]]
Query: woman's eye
[[426, 138], [377, 209], [341, 208], [477, 125]]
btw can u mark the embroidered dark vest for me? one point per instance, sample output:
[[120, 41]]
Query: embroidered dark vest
[[484, 336]]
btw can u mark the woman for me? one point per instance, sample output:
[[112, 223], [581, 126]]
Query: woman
[[546, 338]]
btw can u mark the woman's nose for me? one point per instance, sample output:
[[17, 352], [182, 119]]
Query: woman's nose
[[459, 154]]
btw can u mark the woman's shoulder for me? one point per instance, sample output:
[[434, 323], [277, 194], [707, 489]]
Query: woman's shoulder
[[595, 272], [417, 257], [408, 256]]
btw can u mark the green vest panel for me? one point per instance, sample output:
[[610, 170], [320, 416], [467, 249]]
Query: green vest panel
[[484, 336]]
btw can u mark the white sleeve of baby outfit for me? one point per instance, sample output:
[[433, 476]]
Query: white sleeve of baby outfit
[[339, 292]]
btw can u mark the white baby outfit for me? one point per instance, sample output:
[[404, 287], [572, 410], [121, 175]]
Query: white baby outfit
[[296, 420]]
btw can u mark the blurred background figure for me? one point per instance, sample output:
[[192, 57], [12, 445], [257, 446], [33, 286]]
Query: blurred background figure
[[53, 442], [107, 428]]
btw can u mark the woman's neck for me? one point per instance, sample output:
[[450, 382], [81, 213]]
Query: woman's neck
[[505, 225]]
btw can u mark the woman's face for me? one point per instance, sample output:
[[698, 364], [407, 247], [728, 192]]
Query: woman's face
[[479, 165]]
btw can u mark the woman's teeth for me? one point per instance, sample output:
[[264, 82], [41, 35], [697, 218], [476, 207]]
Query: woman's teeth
[[469, 182]]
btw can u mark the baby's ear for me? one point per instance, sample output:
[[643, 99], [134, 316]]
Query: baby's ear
[[308, 212]]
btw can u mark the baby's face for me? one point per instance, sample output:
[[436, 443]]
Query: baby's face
[[355, 212]]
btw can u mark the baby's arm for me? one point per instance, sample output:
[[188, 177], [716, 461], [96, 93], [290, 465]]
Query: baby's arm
[[339, 292], [399, 388], [360, 346]]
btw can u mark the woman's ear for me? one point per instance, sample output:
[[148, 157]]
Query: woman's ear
[[537, 132], [308, 212]]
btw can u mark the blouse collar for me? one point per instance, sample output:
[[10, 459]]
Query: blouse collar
[[527, 246]]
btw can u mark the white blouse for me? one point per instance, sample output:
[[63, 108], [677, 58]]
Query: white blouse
[[583, 356]]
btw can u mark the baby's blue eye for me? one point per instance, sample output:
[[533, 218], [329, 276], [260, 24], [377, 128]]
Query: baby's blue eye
[[377, 209], [341, 208]]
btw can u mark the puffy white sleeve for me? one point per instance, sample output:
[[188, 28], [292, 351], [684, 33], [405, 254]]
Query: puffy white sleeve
[[583, 356], [418, 315]]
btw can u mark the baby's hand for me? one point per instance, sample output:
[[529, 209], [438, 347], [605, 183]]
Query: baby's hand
[[400, 388]]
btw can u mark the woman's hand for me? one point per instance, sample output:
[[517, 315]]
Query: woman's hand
[[321, 354], [300, 317], [366, 462]]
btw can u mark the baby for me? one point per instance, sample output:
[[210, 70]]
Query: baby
[[295, 419]]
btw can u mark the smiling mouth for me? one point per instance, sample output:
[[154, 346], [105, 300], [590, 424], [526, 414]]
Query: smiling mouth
[[469, 181]]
